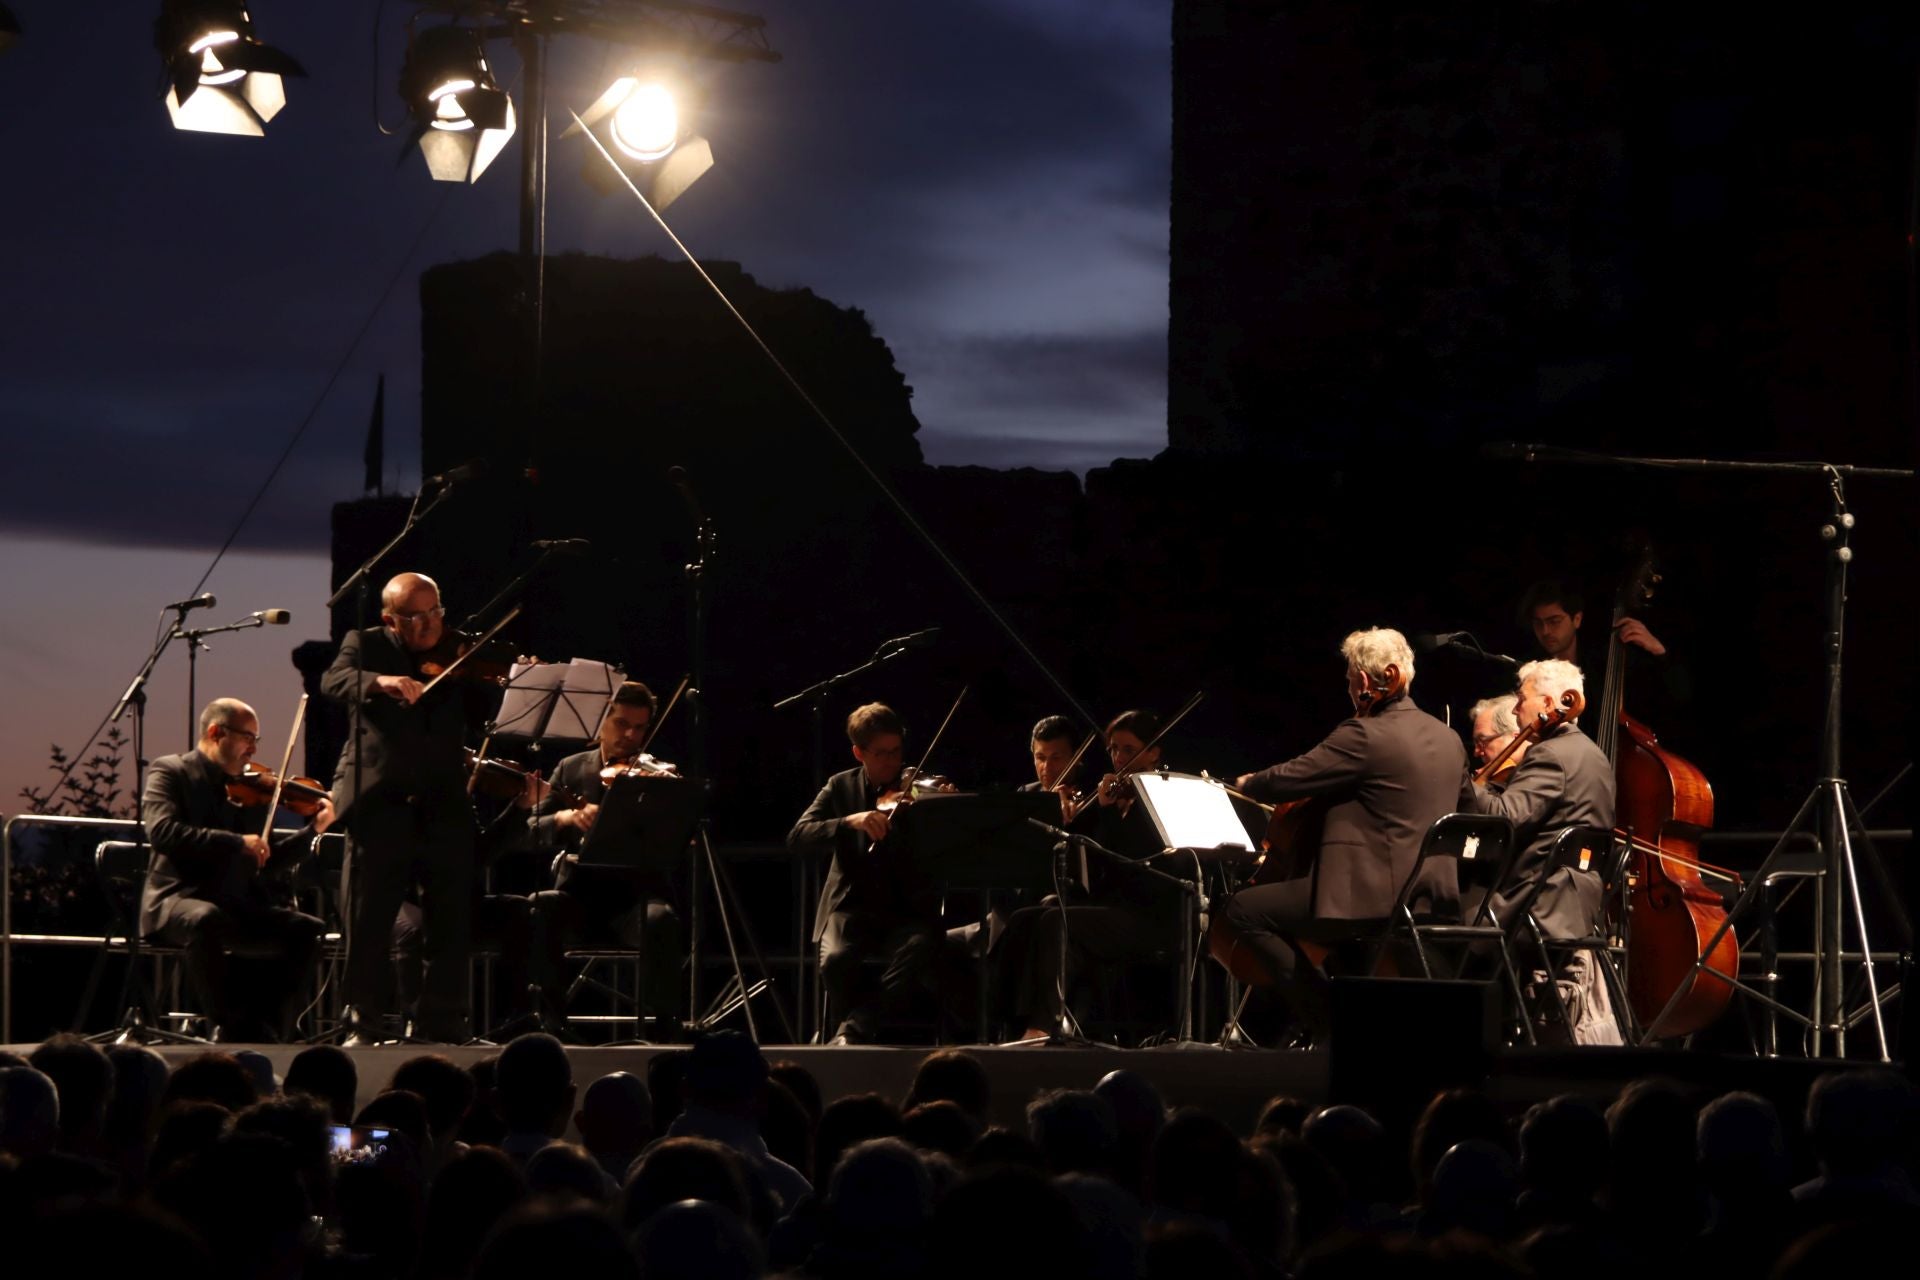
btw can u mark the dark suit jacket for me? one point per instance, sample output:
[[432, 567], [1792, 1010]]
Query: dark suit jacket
[[1387, 777], [1563, 781], [579, 774], [195, 833], [403, 750], [860, 878]]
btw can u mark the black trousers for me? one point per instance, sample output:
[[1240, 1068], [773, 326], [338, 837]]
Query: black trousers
[[396, 844], [502, 922], [648, 924], [246, 963], [909, 946], [1270, 920], [1034, 971]]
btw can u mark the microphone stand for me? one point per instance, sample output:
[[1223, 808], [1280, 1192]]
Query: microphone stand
[[136, 697], [1828, 813], [737, 993], [193, 654]]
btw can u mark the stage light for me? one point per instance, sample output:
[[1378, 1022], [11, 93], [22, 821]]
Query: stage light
[[220, 78], [643, 126], [646, 126], [462, 118]]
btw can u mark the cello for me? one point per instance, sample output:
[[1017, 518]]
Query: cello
[[1662, 802]]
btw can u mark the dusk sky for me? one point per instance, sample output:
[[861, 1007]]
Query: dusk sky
[[987, 180]]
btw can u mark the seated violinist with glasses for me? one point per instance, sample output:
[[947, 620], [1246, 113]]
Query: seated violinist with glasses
[[603, 906]]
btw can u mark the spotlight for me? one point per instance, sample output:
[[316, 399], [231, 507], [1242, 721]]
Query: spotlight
[[220, 78], [641, 125], [9, 29], [462, 118]]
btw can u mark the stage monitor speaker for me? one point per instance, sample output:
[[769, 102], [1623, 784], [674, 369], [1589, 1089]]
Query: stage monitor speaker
[[1395, 1042]]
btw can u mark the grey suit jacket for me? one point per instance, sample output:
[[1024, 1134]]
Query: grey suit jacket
[[1564, 781], [1386, 778]]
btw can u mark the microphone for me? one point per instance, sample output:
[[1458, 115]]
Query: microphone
[[564, 546], [204, 600], [1427, 641], [1459, 642], [272, 617], [918, 640], [684, 483], [458, 475]]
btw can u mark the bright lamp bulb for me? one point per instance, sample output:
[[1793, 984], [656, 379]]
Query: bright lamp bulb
[[647, 125]]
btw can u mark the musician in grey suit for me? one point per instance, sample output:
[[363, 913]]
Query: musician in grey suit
[[872, 903], [1383, 775], [203, 891], [1564, 781]]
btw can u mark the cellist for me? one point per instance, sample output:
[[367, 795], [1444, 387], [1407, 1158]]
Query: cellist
[[1564, 781], [1384, 774]]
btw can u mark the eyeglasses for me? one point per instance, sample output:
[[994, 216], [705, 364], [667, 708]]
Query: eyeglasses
[[242, 733], [414, 619]]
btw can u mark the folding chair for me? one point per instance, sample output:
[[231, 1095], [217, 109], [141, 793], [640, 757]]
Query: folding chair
[[1594, 851], [1483, 849]]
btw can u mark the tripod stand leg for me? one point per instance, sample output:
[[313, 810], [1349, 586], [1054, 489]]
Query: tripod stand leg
[[1851, 873], [727, 905]]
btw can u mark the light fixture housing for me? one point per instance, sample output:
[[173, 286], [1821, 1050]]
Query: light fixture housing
[[220, 77], [462, 118], [643, 125]]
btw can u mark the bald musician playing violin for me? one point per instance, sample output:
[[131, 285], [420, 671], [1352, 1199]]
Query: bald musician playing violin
[[598, 906], [1564, 781], [204, 892], [401, 788], [1385, 773], [872, 903]]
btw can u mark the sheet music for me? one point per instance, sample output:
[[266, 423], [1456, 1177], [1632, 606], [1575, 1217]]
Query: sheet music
[[557, 700], [1192, 813]]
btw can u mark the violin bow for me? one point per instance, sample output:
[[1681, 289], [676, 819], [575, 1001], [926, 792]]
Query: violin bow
[[280, 779], [653, 729], [477, 645], [1074, 763], [934, 741], [1152, 742]]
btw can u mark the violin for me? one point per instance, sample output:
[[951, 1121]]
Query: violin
[[505, 780], [256, 786], [1116, 786], [640, 766], [914, 785], [460, 654]]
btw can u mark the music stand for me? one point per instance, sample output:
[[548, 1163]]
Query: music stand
[[645, 824], [982, 841], [1195, 816], [552, 700]]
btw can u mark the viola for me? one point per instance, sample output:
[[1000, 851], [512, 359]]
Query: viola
[[1502, 766], [459, 653], [256, 785], [1116, 785]]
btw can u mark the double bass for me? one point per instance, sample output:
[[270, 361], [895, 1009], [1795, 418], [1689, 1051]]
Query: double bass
[[1662, 803]]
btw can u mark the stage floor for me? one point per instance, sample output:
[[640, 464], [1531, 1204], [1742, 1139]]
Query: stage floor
[[1232, 1084]]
